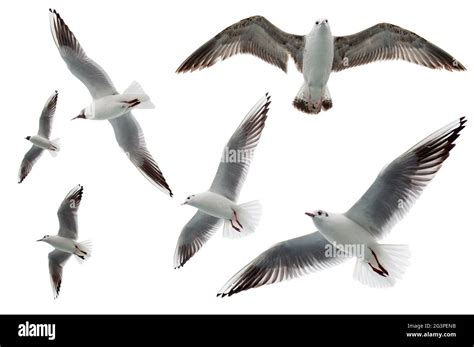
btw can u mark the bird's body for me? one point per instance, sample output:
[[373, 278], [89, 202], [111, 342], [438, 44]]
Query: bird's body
[[342, 231], [357, 232], [318, 57], [353, 239], [214, 205], [63, 244], [44, 143], [319, 53], [112, 106]]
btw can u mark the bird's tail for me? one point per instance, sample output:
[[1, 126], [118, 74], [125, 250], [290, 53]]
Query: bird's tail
[[312, 101], [54, 147], [388, 264], [83, 251], [137, 96], [245, 220]]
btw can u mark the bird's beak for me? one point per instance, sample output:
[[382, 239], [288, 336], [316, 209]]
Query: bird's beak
[[81, 116], [39, 240], [310, 214], [184, 203]]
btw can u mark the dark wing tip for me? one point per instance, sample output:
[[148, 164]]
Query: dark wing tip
[[151, 171], [182, 255], [201, 58]]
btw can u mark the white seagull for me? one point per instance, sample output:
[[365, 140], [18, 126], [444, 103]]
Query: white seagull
[[319, 53], [65, 243], [219, 203], [357, 232], [41, 141], [128, 132]]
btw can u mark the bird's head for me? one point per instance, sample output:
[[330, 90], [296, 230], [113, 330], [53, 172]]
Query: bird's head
[[190, 200], [318, 216], [44, 238], [28, 138], [321, 22], [82, 115], [322, 25]]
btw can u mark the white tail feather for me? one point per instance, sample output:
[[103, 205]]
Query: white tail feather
[[248, 215], [83, 251], [136, 91], [394, 259]]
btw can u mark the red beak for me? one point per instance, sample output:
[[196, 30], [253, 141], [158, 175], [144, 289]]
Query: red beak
[[310, 214]]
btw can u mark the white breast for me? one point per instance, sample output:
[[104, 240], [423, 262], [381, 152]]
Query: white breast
[[62, 243], [318, 56], [338, 229], [40, 142], [215, 205]]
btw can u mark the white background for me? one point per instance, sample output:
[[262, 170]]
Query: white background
[[302, 163]]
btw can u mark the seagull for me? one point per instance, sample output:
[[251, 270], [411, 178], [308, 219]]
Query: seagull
[[128, 132], [41, 141], [113, 106], [319, 53], [219, 203], [65, 243], [356, 232]]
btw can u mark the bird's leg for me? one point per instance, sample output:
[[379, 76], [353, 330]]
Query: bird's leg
[[133, 103], [381, 271], [233, 226], [235, 216], [239, 227], [80, 250]]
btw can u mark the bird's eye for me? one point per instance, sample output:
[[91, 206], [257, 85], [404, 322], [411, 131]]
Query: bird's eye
[[326, 21], [317, 22], [319, 213]]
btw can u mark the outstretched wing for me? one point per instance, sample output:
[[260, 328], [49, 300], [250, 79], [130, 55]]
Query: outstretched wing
[[238, 153], [195, 233], [400, 183], [67, 213], [46, 119], [131, 139], [85, 69], [29, 160], [57, 259], [284, 261], [388, 42], [254, 35]]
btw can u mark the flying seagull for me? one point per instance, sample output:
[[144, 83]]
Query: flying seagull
[[113, 106], [65, 243], [41, 141], [357, 232], [319, 53], [219, 203], [128, 132]]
